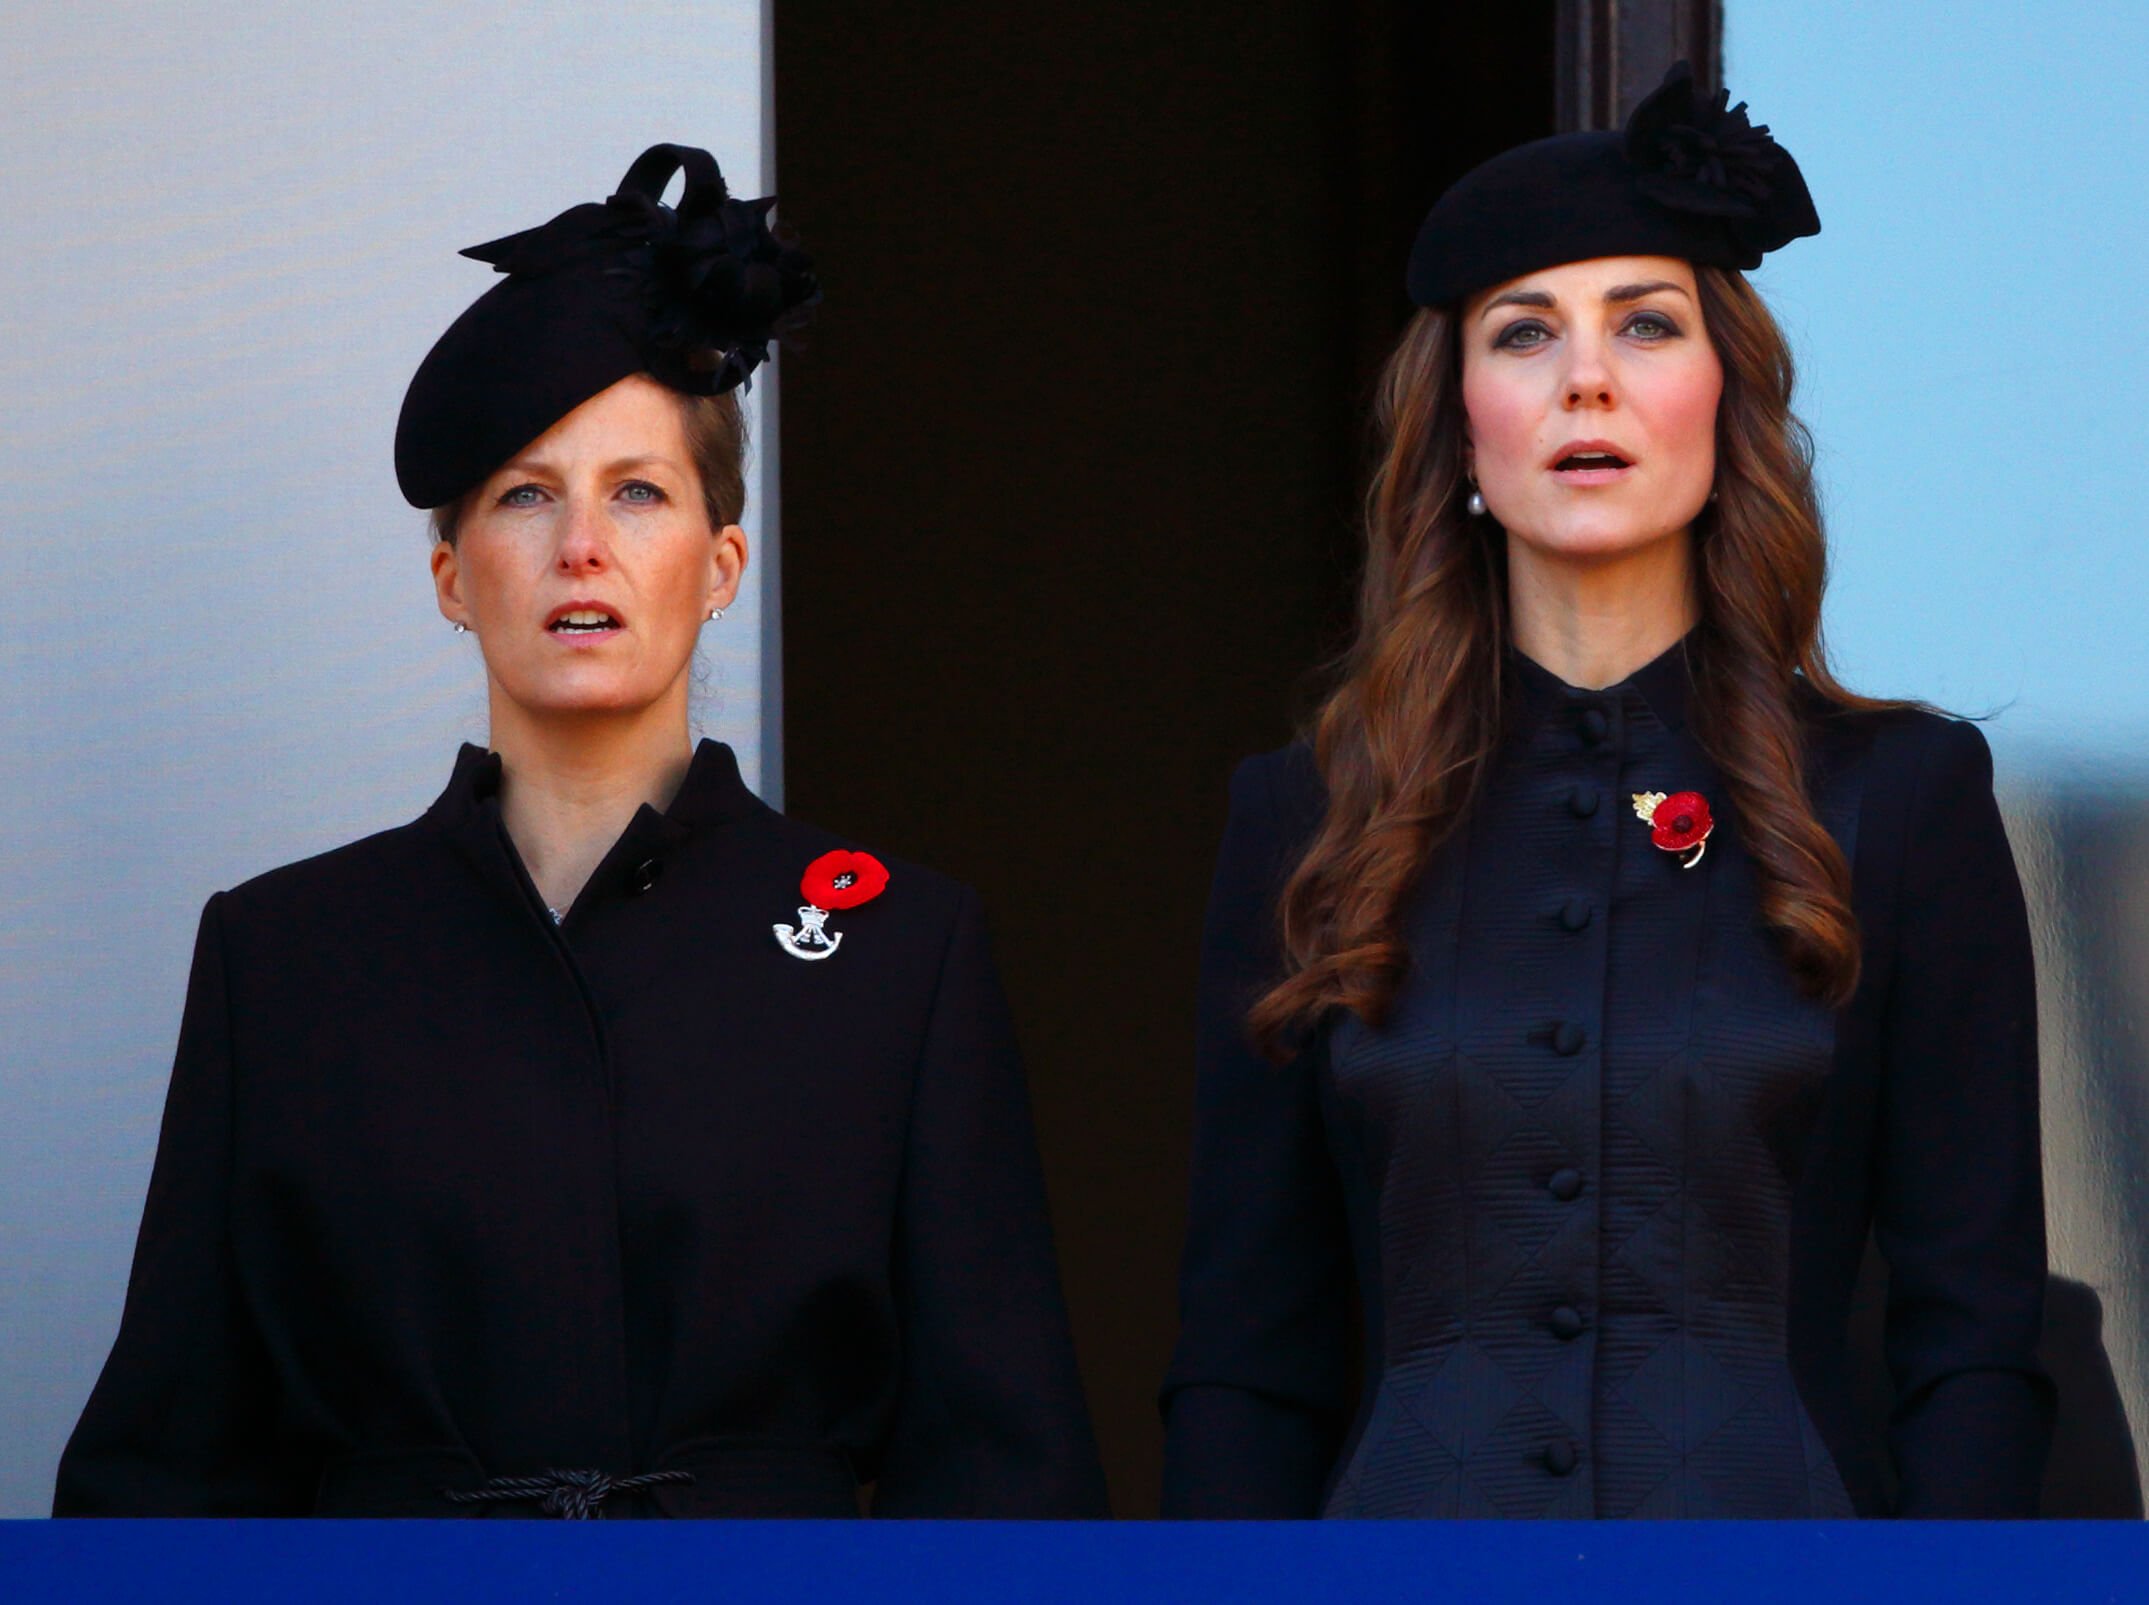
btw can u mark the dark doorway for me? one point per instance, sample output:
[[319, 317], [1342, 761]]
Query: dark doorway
[[1069, 473], [1069, 478]]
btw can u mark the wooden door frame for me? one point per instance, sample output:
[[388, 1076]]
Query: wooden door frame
[[1610, 53]]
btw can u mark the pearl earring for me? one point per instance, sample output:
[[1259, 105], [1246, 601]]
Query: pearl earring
[[461, 628], [716, 613], [1476, 503]]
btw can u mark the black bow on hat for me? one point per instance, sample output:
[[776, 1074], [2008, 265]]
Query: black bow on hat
[[692, 296], [1689, 177]]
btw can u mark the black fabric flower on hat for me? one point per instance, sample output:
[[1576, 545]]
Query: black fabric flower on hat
[[1688, 177], [721, 286], [1705, 157], [716, 284], [692, 295]]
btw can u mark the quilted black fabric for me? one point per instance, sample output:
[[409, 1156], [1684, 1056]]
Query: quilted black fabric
[[1602, 1178]]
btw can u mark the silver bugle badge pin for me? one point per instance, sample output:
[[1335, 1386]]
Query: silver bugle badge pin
[[834, 881], [810, 938]]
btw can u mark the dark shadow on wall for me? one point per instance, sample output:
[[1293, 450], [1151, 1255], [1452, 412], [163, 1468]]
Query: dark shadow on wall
[[1071, 461], [2094, 1471]]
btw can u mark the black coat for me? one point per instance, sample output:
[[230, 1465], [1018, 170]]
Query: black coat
[[1604, 1179], [446, 1193]]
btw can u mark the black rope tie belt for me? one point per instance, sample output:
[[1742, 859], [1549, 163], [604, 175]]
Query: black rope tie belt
[[570, 1495]]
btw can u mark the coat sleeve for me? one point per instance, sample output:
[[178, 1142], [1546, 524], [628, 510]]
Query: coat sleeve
[[181, 1421], [1960, 1203], [991, 1419], [1259, 1391]]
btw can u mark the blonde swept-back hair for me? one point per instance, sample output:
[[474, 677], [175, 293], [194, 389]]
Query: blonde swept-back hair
[[716, 441]]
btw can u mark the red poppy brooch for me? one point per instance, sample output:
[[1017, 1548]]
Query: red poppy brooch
[[832, 882], [1679, 823]]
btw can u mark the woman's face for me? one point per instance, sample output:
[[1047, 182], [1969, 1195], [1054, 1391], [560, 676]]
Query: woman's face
[[1591, 392], [586, 565]]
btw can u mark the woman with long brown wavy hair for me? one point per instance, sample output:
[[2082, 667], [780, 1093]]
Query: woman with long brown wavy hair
[[1601, 972]]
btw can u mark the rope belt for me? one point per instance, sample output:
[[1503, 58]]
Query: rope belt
[[570, 1495]]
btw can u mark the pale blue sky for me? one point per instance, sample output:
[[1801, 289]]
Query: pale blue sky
[[1971, 327]]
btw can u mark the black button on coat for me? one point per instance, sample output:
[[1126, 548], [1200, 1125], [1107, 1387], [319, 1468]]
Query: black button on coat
[[446, 1194], [1602, 1185]]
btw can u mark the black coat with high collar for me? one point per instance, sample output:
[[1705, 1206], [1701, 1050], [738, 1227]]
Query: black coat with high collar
[[1598, 1190], [447, 1193]]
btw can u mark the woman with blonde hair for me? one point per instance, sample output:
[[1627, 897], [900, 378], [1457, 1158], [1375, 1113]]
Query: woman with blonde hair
[[602, 1143]]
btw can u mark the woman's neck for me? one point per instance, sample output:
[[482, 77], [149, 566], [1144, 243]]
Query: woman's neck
[[569, 787], [1594, 623]]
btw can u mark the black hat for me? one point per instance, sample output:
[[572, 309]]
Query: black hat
[[1687, 178], [692, 297]]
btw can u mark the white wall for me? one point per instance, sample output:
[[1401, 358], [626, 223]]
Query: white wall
[[230, 234], [1972, 325]]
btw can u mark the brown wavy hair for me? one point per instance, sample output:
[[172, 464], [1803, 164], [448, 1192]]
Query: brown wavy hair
[[1404, 737]]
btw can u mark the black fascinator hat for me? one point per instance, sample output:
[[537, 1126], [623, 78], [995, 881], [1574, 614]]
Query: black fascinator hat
[[1689, 177], [692, 295]]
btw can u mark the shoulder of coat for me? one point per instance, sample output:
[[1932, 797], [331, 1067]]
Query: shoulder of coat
[[1897, 741], [1285, 782], [368, 863], [792, 844], [1891, 735]]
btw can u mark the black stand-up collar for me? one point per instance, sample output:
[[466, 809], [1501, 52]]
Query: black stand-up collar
[[468, 816], [1664, 685], [711, 794]]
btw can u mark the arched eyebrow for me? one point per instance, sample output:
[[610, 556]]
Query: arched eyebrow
[[1519, 298], [542, 467], [1617, 295]]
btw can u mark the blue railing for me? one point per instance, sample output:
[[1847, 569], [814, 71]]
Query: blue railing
[[954, 1563]]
